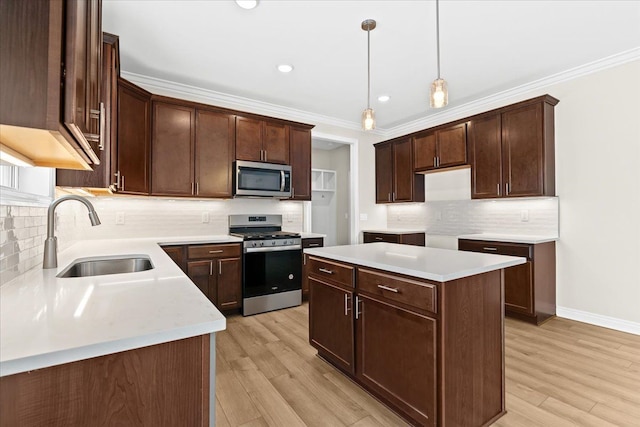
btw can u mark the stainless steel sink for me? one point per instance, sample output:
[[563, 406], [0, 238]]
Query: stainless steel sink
[[100, 266]]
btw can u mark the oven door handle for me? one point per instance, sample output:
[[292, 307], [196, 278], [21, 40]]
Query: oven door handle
[[273, 249]]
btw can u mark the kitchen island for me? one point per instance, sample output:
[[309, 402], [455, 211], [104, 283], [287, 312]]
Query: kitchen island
[[122, 349], [422, 329]]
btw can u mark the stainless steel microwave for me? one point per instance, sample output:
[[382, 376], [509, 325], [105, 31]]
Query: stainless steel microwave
[[262, 180]]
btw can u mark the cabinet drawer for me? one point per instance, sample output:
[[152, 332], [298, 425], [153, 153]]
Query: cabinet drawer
[[315, 242], [411, 292], [341, 273], [500, 248], [380, 237], [214, 251]]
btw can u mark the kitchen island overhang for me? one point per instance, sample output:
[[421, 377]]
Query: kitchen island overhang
[[422, 329]]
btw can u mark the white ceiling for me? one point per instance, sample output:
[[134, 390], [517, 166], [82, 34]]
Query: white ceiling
[[486, 47]]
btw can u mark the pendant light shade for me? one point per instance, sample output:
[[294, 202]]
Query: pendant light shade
[[368, 119], [439, 96], [368, 115]]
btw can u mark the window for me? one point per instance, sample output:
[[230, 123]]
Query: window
[[25, 185]]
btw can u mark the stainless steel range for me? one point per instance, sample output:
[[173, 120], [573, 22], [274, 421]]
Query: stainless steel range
[[271, 263]]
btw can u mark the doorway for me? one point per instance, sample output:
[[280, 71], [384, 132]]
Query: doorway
[[333, 206]]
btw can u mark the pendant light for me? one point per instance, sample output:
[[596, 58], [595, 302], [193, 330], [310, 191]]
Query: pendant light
[[439, 96], [368, 115]]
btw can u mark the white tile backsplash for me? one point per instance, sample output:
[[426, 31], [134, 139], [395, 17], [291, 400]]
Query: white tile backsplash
[[455, 217], [149, 217], [22, 234]]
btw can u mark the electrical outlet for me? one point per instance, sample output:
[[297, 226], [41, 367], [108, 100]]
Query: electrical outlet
[[205, 217], [524, 215], [119, 218]]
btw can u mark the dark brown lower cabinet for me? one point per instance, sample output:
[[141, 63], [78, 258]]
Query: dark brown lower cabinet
[[416, 239], [431, 351], [159, 385], [396, 356], [530, 288], [216, 269], [310, 242], [331, 322]]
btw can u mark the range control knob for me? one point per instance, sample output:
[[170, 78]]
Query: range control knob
[[261, 243], [273, 243]]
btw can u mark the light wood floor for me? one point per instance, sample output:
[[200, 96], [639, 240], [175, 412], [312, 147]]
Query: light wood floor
[[562, 373]]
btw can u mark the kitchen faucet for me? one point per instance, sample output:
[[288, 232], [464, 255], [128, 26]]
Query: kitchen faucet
[[51, 244]]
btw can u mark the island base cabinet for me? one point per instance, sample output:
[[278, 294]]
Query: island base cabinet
[[401, 367], [331, 323], [160, 385]]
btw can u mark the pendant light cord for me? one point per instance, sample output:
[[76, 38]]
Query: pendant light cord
[[438, 35], [368, 68]]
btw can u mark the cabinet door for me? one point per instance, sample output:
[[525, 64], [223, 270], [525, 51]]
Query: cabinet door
[[485, 157], [331, 322], [214, 154], [424, 149], [518, 288], [452, 146], [176, 253], [276, 143], [172, 150], [522, 151], [248, 139], [229, 283], [384, 173], [200, 273], [81, 79], [300, 149], [399, 366], [134, 106], [403, 176]]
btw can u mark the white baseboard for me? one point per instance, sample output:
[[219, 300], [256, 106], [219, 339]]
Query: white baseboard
[[599, 320]]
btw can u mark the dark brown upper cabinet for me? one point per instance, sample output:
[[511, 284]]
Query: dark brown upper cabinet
[[300, 156], [395, 180], [134, 139], [103, 175], [261, 141], [50, 62], [192, 151], [442, 148], [511, 151]]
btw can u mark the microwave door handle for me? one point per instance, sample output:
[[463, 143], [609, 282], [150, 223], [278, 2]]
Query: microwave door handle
[[281, 180]]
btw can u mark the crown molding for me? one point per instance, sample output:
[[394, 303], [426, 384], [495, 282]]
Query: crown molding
[[179, 90], [206, 96], [511, 95]]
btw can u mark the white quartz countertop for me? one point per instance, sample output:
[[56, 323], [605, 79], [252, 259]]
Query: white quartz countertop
[[312, 235], [514, 238], [47, 321], [394, 231], [439, 265]]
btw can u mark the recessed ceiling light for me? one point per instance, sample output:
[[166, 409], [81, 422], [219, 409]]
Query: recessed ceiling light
[[247, 4], [384, 98], [285, 68]]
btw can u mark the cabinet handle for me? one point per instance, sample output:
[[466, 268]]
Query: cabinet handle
[[498, 185], [193, 191], [389, 197], [265, 155], [219, 251], [387, 288], [210, 268], [293, 192], [346, 304], [122, 182], [507, 188], [324, 270], [393, 196], [438, 161], [358, 312], [379, 238], [435, 162], [197, 188], [117, 183], [490, 249], [219, 267], [313, 245]]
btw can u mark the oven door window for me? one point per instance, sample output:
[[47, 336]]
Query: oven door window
[[272, 272], [259, 179]]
